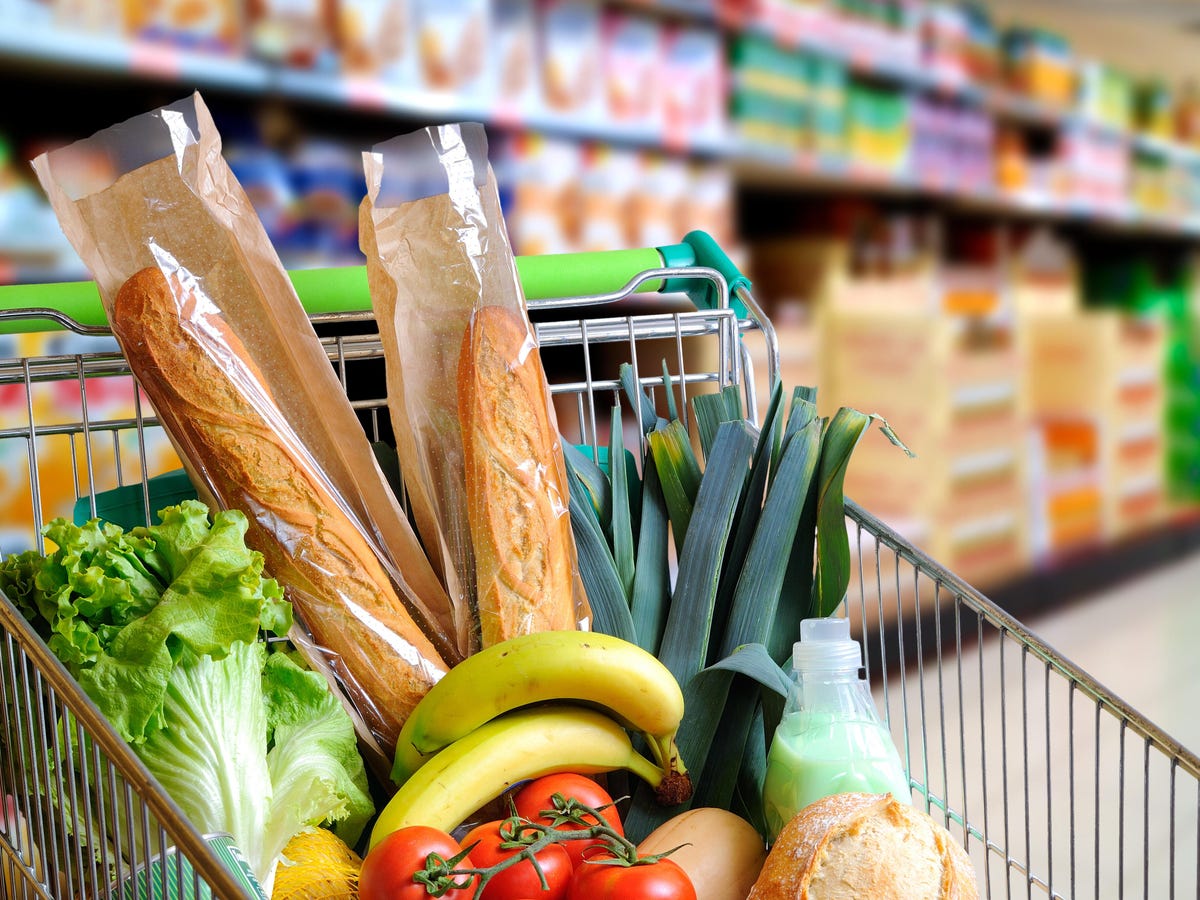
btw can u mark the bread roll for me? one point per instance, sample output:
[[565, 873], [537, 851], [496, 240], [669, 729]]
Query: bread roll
[[515, 482], [857, 846], [211, 398]]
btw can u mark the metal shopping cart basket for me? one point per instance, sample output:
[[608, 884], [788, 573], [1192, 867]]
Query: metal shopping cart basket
[[1054, 785]]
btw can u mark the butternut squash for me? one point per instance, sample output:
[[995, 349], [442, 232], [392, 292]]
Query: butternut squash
[[720, 851]]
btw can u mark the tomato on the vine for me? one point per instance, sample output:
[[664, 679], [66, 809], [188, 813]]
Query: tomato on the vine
[[520, 879], [596, 879], [388, 869], [537, 796]]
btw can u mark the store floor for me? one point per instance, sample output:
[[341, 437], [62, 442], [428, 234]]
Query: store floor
[[1140, 639], [1051, 781]]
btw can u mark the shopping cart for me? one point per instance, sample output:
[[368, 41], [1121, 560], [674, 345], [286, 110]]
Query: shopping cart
[[1054, 785]]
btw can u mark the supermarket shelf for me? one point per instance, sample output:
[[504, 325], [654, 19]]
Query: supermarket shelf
[[144, 59], [768, 169], [81, 51], [753, 167]]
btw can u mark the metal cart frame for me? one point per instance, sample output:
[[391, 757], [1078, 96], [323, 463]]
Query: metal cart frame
[[1060, 789]]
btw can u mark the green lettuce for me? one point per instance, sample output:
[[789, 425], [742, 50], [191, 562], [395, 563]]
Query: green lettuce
[[163, 628]]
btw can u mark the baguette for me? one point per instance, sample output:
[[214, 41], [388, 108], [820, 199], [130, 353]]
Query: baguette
[[515, 482], [853, 846], [217, 409]]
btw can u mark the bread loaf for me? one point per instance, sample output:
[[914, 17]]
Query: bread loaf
[[212, 400], [515, 482], [857, 846]]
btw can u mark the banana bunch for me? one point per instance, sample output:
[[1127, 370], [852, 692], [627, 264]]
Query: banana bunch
[[556, 701]]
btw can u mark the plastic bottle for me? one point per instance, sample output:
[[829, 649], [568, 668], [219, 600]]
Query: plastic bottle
[[831, 739]]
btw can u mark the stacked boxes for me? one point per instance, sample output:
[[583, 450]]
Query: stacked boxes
[[949, 386], [1096, 401]]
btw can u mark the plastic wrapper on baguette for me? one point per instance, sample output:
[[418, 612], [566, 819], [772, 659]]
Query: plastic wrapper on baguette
[[212, 328], [481, 456]]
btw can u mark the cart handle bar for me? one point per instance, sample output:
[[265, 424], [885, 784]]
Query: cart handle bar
[[344, 290]]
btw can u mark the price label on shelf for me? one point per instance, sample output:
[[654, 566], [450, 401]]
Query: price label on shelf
[[507, 114], [369, 93], [149, 58]]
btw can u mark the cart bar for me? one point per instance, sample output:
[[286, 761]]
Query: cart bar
[[343, 290], [568, 274]]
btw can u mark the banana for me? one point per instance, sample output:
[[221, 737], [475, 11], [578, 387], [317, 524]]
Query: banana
[[525, 743], [616, 675]]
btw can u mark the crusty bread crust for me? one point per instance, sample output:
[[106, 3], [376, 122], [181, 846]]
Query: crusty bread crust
[[803, 848], [213, 402], [515, 484]]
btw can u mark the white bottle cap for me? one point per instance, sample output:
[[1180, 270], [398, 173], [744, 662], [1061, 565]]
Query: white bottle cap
[[825, 645]]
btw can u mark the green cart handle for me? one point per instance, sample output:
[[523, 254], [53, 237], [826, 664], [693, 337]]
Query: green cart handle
[[345, 290]]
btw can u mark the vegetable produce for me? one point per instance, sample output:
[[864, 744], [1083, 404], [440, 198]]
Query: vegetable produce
[[758, 524], [390, 870], [721, 852], [161, 626], [517, 858], [317, 865], [547, 666], [605, 877], [513, 747], [554, 801], [493, 842]]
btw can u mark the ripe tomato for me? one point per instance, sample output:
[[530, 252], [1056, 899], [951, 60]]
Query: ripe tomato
[[388, 869], [520, 879], [537, 796], [661, 880]]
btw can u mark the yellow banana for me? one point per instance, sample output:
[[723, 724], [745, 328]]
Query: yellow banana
[[525, 743], [622, 678]]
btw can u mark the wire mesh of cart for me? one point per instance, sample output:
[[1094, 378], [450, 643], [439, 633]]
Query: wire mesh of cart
[[1055, 786]]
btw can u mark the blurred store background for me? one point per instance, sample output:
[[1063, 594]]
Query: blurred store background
[[980, 220]]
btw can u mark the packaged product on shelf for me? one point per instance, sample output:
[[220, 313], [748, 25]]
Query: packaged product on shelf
[[610, 178], [212, 26], [211, 326], [515, 73], [1040, 64], [266, 178], [543, 184], [92, 16], [695, 94], [1153, 106], [298, 33], [660, 199], [452, 46], [632, 76], [708, 205], [375, 39], [482, 449], [570, 51], [828, 89], [769, 94], [945, 37], [328, 184]]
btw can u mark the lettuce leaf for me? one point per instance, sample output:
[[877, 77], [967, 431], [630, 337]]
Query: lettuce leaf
[[162, 627]]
